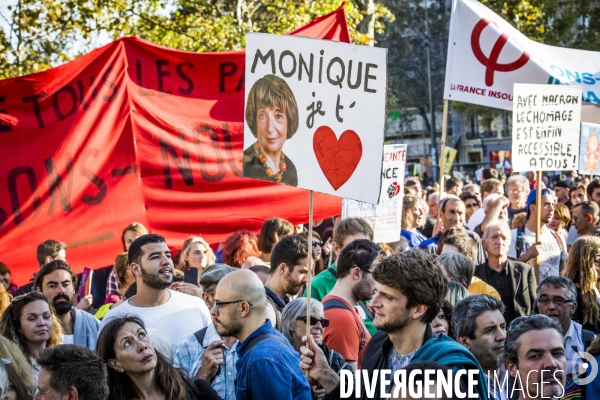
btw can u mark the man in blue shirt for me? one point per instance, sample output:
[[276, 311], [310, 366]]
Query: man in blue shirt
[[267, 366]]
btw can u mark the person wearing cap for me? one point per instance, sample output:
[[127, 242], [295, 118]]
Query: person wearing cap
[[562, 191], [205, 354], [550, 249]]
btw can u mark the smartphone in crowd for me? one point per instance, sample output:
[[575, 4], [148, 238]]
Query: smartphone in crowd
[[190, 275]]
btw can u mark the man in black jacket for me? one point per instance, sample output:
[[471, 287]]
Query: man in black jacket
[[411, 287]]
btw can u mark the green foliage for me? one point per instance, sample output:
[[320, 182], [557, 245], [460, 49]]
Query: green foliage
[[43, 32]]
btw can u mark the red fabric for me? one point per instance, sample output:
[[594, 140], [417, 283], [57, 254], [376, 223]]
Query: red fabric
[[134, 132]]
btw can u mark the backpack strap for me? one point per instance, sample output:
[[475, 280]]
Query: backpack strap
[[335, 303], [200, 335], [277, 314], [332, 271], [364, 307], [520, 240], [265, 336], [558, 238], [587, 337]]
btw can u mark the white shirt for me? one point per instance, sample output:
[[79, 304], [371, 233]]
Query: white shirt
[[476, 219], [68, 339], [572, 236], [550, 256], [573, 337], [181, 315]]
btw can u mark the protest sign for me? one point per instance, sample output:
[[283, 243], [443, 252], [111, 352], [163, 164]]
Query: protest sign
[[449, 155], [386, 216], [134, 132], [315, 114], [546, 123], [487, 56], [589, 149]]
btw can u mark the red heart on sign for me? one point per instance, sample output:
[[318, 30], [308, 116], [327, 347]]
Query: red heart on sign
[[338, 158]]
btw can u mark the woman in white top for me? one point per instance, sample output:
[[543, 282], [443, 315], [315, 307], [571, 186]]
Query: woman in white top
[[30, 322]]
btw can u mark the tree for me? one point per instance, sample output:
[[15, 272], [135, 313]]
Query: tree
[[42, 32]]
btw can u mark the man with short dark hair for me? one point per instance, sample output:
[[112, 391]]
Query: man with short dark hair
[[578, 196], [585, 218], [453, 186], [410, 292], [50, 250], [534, 355], [557, 299], [73, 371], [593, 191], [561, 191], [175, 313], [57, 282], [347, 333], [288, 274], [478, 324]]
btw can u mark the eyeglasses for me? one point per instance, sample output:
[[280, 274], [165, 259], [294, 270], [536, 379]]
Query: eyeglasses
[[317, 243], [558, 301], [314, 320], [218, 304]]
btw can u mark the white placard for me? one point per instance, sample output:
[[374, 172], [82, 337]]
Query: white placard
[[315, 114], [385, 217], [546, 124]]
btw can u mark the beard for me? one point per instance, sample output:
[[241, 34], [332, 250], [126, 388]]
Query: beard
[[154, 281], [62, 307], [231, 328], [393, 325], [362, 290], [292, 288]]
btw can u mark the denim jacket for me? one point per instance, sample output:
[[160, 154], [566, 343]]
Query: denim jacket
[[270, 370]]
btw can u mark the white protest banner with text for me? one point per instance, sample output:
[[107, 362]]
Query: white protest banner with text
[[385, 217], [546, 123], [315, 114], [487, 56]]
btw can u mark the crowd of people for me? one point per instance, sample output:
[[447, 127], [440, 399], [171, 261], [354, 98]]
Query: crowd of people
[[465, 287]]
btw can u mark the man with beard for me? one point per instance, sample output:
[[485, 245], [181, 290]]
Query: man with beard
[[175, 313], [347, 333], [57, 282], [288, 274], [478, 324], [514, 281], [271, 370], [410, 290], [550, 249], [534, 355]]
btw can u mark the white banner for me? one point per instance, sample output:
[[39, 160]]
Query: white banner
[[546, 123], [385, 217], [487, 56], [315, 114]]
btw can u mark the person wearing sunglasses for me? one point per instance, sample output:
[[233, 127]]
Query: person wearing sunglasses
[[267, 366], [472, 204], [293, 322]]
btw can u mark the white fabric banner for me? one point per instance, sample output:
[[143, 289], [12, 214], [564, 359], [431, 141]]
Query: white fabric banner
[[386, 216], [487, 56]]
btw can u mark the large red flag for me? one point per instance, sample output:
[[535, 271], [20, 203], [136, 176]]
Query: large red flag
[[134, 132]]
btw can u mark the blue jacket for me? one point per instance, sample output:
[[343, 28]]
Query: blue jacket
[[446, 351], [270, 370], [85, 330]]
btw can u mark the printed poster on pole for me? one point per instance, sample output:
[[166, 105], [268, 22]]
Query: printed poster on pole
[[385, 217], [315, 114], [546, 124], [589, 149]]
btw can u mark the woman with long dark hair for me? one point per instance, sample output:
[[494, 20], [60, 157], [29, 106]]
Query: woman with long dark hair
[[582, 269], [137, 371]]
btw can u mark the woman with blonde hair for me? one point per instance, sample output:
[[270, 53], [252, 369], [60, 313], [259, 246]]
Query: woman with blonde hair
[[31, 323], [413, 217], [196, 253], [24, 381], [560, 219], [582, 268]]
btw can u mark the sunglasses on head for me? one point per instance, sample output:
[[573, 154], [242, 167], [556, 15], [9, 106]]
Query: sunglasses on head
[[314, 320]]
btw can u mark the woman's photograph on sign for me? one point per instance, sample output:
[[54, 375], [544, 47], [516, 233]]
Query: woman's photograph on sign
[[272, 116]]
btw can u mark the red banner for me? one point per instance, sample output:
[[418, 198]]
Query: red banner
[[134, 132]]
